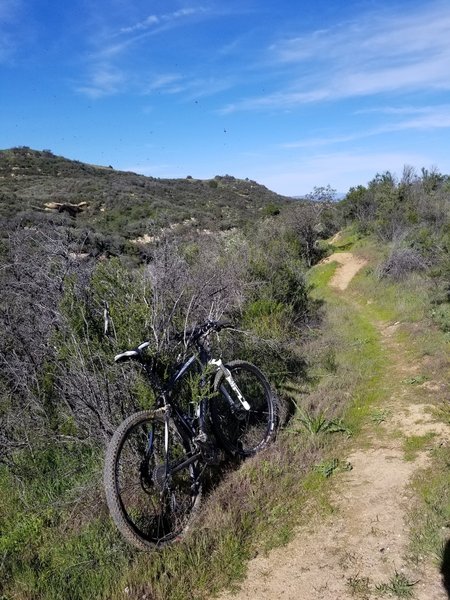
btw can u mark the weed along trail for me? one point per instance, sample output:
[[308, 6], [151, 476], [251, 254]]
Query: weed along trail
[[362, 547]]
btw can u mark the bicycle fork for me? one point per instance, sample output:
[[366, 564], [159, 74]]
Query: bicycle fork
[[228, 376]]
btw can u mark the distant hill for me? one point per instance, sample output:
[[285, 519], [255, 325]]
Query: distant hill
[[39, 187]]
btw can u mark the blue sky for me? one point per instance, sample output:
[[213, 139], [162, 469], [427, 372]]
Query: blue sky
[[293, 94]]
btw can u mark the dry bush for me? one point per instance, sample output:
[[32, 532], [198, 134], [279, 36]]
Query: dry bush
[[400, 263], [187, 291], [32, 273]]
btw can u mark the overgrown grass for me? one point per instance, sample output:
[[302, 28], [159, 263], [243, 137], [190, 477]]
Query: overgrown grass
[[430, 518], [398, 585], [414, 444], [57, 540], [346, 240]]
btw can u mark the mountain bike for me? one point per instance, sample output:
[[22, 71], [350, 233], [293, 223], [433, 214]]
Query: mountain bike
[[156, 459]]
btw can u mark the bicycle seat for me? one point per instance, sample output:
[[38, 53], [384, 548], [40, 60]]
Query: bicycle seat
[[131, 354], [124, 356]]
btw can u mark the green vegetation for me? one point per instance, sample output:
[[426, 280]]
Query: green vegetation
[[416, 443], [60, 403], [328, 467], [430, 517], [257, 264], [398, 585], [316, 424], [122, 207], [378, 416]]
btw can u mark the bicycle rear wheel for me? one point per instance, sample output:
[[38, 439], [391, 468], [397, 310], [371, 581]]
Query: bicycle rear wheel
[[243, 432], [151, 496]]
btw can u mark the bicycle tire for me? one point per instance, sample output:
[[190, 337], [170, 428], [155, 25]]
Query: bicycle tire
[[241, 432], [149, 509]]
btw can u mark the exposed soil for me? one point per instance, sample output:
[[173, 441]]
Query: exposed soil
[[364, 542], [350, 265]]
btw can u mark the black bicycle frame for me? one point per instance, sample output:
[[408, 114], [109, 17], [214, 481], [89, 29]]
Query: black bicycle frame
[[195, 361]]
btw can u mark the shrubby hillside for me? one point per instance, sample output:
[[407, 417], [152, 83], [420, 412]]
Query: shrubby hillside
[[111, 208], [60, 264], [165, 254]]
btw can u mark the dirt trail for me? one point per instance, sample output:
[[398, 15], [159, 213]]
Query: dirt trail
[[350, 265], [365, 540]]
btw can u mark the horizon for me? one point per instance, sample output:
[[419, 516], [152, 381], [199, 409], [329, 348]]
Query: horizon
[[293, 97]]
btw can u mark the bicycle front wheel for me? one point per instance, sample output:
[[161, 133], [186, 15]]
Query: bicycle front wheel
[[243, 431], [151, 485]]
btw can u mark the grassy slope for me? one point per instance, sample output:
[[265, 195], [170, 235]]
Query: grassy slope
[[125, 204], [258, 506]]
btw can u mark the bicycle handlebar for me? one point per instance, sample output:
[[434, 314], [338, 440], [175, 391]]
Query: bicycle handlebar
[[190, 335]]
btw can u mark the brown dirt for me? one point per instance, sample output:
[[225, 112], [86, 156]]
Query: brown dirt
[[350, 265], [365, 539]]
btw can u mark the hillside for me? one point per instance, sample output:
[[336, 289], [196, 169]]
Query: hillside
[[33, 185], [356, 356]]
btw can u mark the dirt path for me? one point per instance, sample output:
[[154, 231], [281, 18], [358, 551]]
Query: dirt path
[[349, 266], [365, 540]]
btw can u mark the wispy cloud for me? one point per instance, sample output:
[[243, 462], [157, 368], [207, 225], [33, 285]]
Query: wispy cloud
[[104, 80], [420, 118], [164, 19], [113, 45], [169, 83], [379, 53], [117, 41], [142, 25], [10, 14]]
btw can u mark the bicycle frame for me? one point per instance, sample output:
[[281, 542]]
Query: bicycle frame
[[167, 402]]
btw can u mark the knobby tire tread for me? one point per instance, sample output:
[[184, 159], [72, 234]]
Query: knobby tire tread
[[111, 487]]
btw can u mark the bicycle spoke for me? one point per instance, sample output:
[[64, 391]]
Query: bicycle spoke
[[150, 503]]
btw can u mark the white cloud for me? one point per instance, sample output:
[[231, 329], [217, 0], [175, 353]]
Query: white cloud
[[166, 82], [379, 53], [104, 81], [110, 47], [154, 20], [424, 118], [145, 24]]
